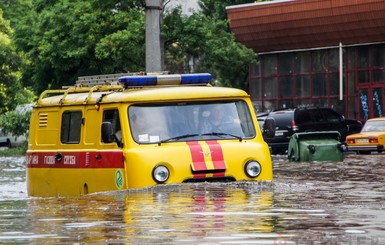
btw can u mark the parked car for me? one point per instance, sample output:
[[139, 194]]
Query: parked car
[[295, 120], [9, 141], [371, 138], [5, 140], [261, 118]]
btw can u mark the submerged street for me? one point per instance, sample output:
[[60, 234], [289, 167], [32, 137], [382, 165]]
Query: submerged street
[[308, 203]]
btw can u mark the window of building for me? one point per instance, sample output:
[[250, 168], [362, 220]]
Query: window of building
[[379, 76], [319, 82], [311, 78], [364, 103], [286, 104], [377, 101], [284, 64], [254, 69], [270, 88], [286, 87], [255, 88], [334, 82], [319, 61], [269, 66], [352, 112], [320, 102], [303, 102], [71, 127], [302, 62], [334, 60], [363, 57], [351, 89], [363, 76], [303, 86], [351, 54], [378, 56]]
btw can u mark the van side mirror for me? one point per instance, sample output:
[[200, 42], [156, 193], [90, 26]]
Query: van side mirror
[[108, 135], [269, 127], [107, 132]]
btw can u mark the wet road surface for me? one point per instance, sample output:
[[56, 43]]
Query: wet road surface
[[308, 203]]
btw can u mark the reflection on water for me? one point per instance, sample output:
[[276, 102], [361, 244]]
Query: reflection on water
[[308, 203], [177, 214]]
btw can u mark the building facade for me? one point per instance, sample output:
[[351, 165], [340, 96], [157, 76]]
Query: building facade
[[325, 53]]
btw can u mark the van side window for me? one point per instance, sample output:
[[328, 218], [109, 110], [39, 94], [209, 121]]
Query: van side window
[[71, 126], [112, 116]]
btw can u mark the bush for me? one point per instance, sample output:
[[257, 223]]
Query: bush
[[15, 151], [16, 122]]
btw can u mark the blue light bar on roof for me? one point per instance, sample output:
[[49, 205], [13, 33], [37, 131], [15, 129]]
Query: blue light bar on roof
[[184, 79]]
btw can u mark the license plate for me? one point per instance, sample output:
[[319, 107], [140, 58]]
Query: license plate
[[362, 140], [280, 132]]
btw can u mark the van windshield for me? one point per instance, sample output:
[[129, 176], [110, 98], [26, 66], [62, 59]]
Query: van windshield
[[190, 121]]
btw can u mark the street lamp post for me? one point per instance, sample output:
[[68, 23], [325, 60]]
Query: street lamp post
[[153, 43]]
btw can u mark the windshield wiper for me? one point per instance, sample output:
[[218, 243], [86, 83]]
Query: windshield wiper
[[178, 137], [224, 134]]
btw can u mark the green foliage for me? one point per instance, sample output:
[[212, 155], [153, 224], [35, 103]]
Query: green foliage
[[206, 39], [15, 151], [15, 122], [11, 89], [124, 47], [66, 39], [14, 10], [217, 9]]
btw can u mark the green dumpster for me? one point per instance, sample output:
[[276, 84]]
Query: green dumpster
[[315, 146]]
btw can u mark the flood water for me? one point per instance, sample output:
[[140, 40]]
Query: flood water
[[308, 203]]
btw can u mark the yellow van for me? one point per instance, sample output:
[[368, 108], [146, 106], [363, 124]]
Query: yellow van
[[142, 131]]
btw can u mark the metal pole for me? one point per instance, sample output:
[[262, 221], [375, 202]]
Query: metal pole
[[341, 73], [153, 44]]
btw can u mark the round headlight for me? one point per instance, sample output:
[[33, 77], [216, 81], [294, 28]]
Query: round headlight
[[160, 174], [253, 169]]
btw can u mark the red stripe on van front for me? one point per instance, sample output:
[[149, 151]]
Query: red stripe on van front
[[216, 155], [96, 159], [221, 174], [198, 161], [200, 176]]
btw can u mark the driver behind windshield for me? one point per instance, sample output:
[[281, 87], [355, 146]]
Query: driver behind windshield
[[218, 120]]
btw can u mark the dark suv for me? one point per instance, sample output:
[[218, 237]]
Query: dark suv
[[290, 121]]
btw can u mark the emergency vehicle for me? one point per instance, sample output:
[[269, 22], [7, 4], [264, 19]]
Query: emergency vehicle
[[116, 132]]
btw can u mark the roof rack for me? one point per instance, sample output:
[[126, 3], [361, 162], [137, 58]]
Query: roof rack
[[90, 90], [110, 79], [95, 83]]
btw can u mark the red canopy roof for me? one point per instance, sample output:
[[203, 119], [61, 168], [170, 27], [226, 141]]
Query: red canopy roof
[[298, 24]]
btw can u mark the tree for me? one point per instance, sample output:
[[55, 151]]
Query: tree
[[14, 10], [205, 37], [67, 39], [217, 9], [15, 122], [11, 89]]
